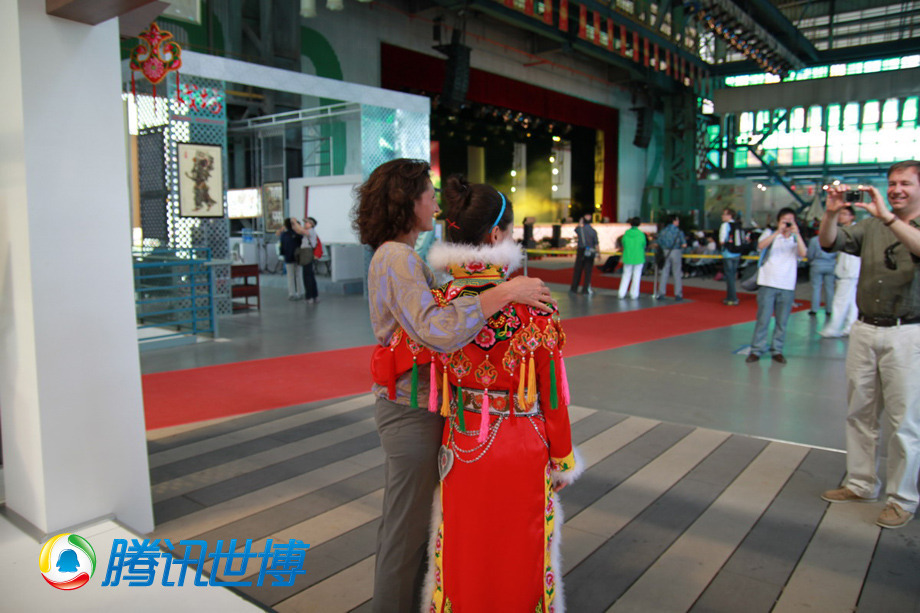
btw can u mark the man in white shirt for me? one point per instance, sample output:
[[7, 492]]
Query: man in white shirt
[[780, 253], [846, 272]]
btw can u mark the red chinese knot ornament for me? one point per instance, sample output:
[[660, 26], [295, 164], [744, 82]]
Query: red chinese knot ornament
[[155, 57]]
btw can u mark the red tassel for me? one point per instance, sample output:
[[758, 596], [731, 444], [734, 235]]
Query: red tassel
[[566, 399], [433, 392], [391, 377], [484, 418]]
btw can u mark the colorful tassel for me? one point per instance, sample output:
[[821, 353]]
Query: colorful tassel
[[522, 399], [553, 396], [566, 399], [531, 382], [484, 418], [460, 419], [433, 389], [413, 398], [445, 395]]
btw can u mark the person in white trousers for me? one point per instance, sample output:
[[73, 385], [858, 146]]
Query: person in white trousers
[[846, 271], [883, 391], [634, 242]]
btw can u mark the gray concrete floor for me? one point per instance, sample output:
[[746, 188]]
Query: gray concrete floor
[[696, 379], [684, 505]]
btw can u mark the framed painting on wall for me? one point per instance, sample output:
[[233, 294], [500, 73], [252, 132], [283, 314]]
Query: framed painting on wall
[[273, 206], [201, 180]]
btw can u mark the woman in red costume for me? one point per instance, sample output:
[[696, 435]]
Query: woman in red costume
[[395, 204], [507, 446]]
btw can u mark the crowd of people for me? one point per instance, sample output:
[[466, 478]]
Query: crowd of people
[[493, 345]]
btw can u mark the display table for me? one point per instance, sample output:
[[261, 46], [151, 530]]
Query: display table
[[244, 283]]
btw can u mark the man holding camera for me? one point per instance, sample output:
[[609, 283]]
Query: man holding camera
[[776, 277], [884, 343]]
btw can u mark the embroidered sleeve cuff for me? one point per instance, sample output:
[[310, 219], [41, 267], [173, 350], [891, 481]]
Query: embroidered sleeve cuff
[[568, 469]]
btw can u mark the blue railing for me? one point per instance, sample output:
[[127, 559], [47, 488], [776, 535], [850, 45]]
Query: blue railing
[[174, 294]]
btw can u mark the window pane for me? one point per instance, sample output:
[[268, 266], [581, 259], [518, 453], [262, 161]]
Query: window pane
[[870, 113], [851, 114]]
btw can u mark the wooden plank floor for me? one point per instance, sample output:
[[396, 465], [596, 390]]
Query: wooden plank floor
[[666, 518]]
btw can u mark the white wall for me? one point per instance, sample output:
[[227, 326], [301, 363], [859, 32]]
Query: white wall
[[330, 202], [73, 425]]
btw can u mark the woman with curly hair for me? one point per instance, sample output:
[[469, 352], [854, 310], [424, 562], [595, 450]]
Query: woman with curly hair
[[506, 448], [395, 204]]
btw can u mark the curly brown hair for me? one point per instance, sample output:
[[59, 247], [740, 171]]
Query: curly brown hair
[[386, 201]]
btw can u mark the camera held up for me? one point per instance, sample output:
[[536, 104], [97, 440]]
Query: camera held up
[[854, 195]]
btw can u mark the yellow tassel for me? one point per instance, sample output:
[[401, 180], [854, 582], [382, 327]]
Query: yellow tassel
[[522, 399], [531, 382], [445, 395]]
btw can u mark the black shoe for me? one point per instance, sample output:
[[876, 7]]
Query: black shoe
[[812, 313], [752, 357], [678, 298], [778, 358]]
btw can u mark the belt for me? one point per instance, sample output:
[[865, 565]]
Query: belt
[[498, 403], [884, 321]]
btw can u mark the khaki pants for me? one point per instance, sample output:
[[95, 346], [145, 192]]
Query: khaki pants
[[410, 439], [883, 388]]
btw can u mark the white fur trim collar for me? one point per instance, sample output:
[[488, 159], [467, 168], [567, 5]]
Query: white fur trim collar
[[508, 254]]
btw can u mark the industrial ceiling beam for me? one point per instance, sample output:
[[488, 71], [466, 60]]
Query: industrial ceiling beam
[[772, 19]]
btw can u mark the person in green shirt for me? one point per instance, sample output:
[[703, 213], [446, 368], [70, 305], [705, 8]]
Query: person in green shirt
[[634, 242]]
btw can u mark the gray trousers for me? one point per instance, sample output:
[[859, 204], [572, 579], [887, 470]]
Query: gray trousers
[[410, 439], [295, 286], [673, 263]]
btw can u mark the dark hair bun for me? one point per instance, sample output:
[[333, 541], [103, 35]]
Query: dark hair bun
[[470, 210]]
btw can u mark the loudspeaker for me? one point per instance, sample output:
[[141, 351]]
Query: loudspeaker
[[529, 243], [556, 241], [643, 127], [456, 73]]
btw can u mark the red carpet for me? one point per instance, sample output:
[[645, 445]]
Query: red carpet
[[198, 394]]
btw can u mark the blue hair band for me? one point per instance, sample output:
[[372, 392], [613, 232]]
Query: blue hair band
[[501, 212]]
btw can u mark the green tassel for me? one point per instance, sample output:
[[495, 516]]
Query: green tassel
[[554, 396], [413, 401], [460, 410]]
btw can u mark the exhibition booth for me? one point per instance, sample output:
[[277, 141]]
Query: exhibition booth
[[209, 194]]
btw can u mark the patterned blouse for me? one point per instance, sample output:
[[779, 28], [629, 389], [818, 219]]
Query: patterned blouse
[[399, 287]]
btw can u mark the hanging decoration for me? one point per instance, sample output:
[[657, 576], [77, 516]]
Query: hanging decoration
[[155, 57]]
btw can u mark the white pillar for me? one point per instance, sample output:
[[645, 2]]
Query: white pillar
[[74, 447]]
